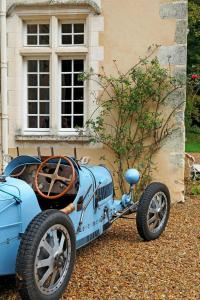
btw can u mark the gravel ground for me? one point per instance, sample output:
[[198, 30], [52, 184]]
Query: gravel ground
[[119, 265]]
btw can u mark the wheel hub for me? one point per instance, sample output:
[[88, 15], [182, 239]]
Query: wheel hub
[[59, 261]]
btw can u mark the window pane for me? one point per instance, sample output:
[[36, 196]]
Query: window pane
[[41, 95], [67, 39], [32, 122], [44, 107], [78, 28], [67, 28], [76, 80], [44, 66], [78, 121], [44, 28], [78, 108], [78, 66], [32, 66], [66, 65], [32, 79], [66, 122], [66, 79], [66, 108], [44, 79], [79, 39], [78, 94], [44, 94], [32, 107], [31, 28], [32, 94], [44, 40], [66, 94], [72, 111], [44, 122], [32, 40]]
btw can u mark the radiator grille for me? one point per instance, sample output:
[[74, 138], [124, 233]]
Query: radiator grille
[[104, 192]]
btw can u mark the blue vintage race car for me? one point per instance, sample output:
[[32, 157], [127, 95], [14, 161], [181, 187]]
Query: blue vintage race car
[[52, 206]]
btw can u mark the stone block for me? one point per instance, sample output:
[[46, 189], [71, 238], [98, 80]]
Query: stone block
[[176, 141], [180, 117], [181, 32], [177, 98], [176, 10], [11, 83], [177, 159], [97, 53], [11, 68], [94, 40], [174, 55], [95, 4], [94, 65], [11, 54], [97, 23], [12, 40], [180, 72]]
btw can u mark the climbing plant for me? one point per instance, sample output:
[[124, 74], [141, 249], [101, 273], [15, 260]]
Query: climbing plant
[[129, 118]]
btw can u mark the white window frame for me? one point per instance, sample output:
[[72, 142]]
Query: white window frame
[[72, 22], [25, 114], [71, 130], [36, 22]]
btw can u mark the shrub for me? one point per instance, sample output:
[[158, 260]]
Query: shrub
[[129, 117]]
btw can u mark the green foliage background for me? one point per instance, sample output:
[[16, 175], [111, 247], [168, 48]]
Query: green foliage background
[[192, 114], [194, 37]]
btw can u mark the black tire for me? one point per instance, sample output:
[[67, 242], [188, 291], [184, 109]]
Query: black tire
[[147, 211], [55, 229]]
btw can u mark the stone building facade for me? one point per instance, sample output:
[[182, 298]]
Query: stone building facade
[[49, 42]]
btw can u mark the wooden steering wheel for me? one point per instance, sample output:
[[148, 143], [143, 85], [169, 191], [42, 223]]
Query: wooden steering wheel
[[55, 177]]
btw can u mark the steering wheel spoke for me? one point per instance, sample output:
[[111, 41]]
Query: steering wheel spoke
[[57, 167], [46, 175], [64, 179], [51, 186], [67, 181]]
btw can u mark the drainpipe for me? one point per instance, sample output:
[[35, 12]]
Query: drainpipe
[[4, 104]]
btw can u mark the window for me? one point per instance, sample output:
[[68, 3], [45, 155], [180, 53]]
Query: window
[[38, 100], [54, 93], [72, 34], [37, 34], [72, 93]]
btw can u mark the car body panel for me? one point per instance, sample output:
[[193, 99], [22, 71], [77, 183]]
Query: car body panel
[[18, 206]]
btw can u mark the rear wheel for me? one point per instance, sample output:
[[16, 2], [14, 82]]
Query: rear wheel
[[46, 256], [153, 211]]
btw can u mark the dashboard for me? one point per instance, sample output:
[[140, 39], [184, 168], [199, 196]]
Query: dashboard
[[27, 173]]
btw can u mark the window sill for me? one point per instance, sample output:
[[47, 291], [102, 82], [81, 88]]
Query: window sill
[[52, 138], [71, 50], [28, 50]]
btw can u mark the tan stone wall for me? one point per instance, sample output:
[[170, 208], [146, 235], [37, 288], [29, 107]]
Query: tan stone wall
[[130, 27]]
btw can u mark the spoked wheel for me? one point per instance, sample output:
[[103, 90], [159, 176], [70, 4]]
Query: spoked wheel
[[153, 211], [46, 256]]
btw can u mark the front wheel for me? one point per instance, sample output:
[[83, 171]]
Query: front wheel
[[46, 256], [153, 211]]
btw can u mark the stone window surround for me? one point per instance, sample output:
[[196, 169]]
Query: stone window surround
[[93, 55], [54, 53]]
